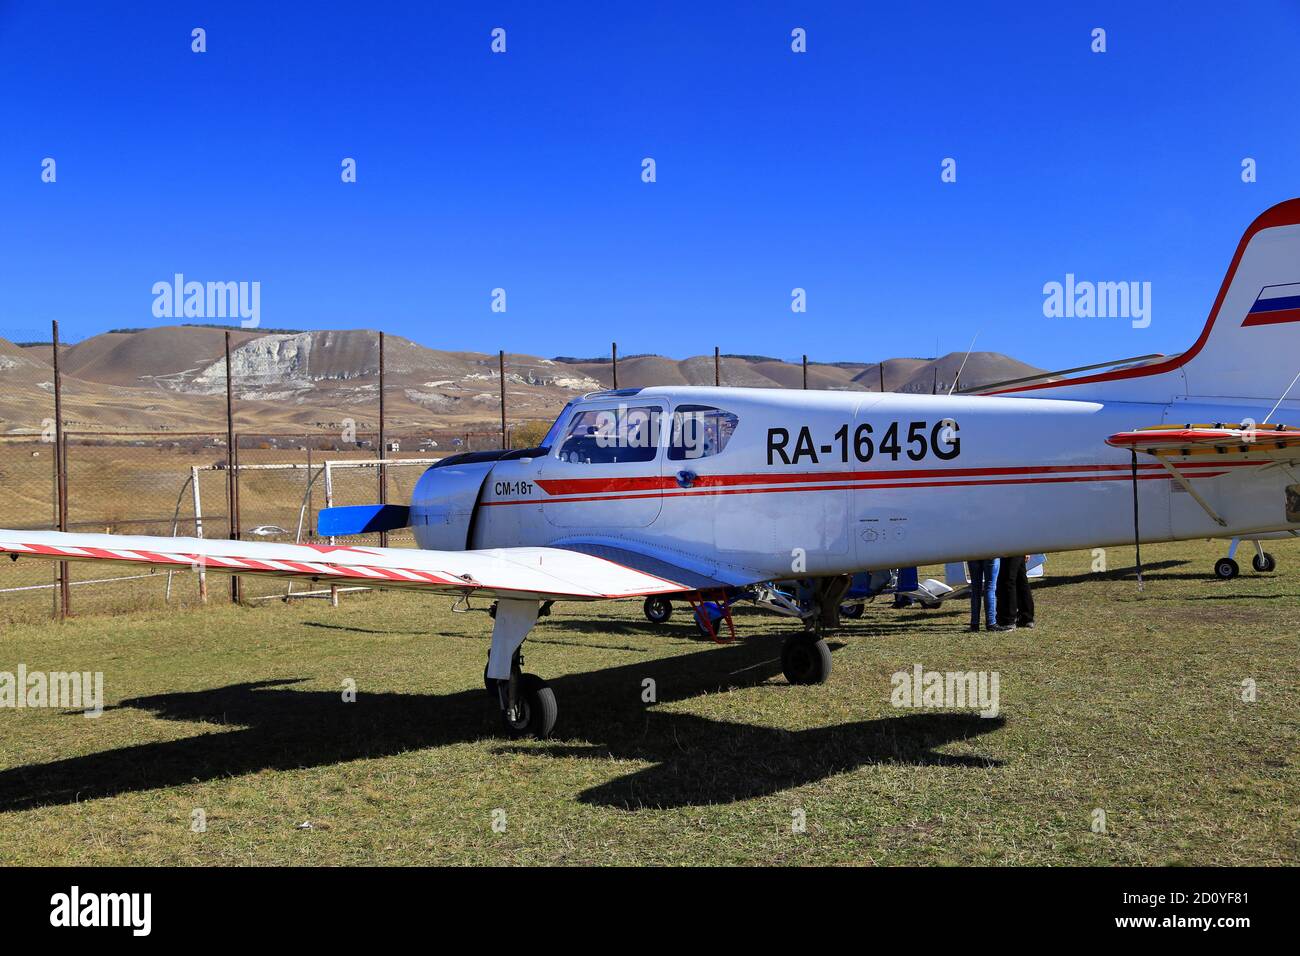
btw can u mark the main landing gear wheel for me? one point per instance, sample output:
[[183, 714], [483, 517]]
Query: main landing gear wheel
[[534, 711], [806, 659], [1263, 563], [708, 619], [657, 609], [1225, 569]]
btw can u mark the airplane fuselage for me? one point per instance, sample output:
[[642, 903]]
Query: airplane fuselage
[[824, 483]]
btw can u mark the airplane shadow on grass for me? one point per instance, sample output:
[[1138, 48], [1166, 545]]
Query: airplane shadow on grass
[[694, 760]]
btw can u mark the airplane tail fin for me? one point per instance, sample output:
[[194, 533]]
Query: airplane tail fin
[[1250, 346]]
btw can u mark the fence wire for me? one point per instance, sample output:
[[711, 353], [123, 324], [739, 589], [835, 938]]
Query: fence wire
[[130, 482]]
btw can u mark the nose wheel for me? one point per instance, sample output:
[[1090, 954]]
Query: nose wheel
[[528, 707], [806, 659], [534, 709]]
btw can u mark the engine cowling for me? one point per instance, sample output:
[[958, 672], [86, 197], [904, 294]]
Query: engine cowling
[[443, 503]]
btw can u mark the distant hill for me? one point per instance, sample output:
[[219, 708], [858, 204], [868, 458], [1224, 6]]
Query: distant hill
[[173, 378], [900, 374]]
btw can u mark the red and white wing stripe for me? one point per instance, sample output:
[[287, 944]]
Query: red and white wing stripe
[[543, 573]]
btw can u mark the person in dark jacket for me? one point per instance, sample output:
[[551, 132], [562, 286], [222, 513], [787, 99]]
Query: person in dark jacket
[[1015, 603]]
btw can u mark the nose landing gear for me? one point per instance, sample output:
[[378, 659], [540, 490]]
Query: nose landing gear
[[528, 707]]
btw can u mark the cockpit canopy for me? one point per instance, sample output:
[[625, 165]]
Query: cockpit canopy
[[632, 433]]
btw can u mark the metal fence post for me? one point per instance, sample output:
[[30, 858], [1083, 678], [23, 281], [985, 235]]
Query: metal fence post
[[198, 533], [613, 358], [383, 442], [329, 503], [501, 370], [232, 481], [61, 459]]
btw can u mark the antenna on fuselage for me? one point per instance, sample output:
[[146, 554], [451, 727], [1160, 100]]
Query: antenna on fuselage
[[961, 367], [1282, 399]]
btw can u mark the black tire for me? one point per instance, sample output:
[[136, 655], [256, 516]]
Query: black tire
[[492, 611], [852, 611], [1225, 569], [538, 709], [657, 609], [703, 620], [1265, 565], [806, 660]]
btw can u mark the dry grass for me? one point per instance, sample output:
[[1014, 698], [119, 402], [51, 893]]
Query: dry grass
[[1124, 702]]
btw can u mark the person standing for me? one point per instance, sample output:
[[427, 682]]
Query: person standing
[[908, 581], [983, 588], [1015, 602], [1024, 597]]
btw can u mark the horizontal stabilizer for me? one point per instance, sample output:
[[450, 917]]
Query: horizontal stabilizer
[[361, 519], [1244, 441]]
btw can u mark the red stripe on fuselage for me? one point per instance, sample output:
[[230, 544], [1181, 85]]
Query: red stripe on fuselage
[[822, 482], [591, 486]]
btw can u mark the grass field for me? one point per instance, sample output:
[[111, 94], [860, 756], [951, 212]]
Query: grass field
[[1125, 702]]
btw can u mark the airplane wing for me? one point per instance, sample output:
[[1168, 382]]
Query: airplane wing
[[693, 573], [521, 573]]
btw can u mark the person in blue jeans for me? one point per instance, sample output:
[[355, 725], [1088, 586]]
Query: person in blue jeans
[[908, 581], [983, 585]]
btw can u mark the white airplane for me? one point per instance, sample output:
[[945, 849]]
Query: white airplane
[[694, 491]]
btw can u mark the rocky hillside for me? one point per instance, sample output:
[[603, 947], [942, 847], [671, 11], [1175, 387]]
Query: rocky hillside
[[174, 378]]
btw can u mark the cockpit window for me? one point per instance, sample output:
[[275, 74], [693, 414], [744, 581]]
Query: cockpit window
[[699, 431], [553, 433], [612, 435]]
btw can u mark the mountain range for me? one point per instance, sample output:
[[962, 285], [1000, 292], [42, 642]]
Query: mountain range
[[173, 379]]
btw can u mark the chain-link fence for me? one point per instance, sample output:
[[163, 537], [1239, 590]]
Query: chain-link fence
[[143, 461], [172, 482], [158, 485]]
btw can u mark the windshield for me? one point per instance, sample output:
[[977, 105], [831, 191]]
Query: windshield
[[607, 436], [553, 433]]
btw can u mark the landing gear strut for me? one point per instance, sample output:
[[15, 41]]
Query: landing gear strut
[[527, 702]]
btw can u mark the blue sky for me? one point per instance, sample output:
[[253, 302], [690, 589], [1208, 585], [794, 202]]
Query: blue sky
[[522, 170]]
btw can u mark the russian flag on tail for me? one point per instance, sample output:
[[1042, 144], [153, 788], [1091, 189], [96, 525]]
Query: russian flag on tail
[[1274, 304]]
